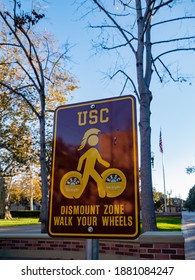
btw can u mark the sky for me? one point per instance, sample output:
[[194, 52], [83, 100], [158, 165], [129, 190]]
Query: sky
[[172, 108]]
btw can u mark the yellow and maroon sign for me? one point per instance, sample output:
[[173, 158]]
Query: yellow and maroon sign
[[94, 181]]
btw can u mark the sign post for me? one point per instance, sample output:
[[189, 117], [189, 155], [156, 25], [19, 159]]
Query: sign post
[[94, 181], [92, 249]]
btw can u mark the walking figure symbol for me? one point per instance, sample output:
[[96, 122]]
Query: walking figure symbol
[[110, 183]]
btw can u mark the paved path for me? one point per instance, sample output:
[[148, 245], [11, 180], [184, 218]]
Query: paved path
[[188, 229], [18, 230]]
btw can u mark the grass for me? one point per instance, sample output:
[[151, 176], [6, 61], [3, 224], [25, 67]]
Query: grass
[[19, 222], [163, 223], [169, 223]]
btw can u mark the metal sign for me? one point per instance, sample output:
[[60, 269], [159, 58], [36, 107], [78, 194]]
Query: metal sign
[[94, 181]]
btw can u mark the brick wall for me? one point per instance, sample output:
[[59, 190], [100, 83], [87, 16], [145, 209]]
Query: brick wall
[[156, 246]]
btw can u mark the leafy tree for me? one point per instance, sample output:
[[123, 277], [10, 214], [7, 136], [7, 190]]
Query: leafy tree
[[128, 30], [190, 201], [26, 188], [16, 149], [190, 169], [158, 198], [34, 72], [15, 137]]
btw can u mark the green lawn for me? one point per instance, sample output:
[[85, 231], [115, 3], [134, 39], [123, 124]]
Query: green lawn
[[163, 223], [169, 223], [19, 222]]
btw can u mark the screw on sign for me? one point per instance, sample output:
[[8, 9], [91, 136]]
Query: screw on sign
[[94, 180]]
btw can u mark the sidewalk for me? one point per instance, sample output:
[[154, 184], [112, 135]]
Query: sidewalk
[[188, 229], [20, 231]]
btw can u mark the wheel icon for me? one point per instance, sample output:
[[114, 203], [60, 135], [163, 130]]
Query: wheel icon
[[114, 182], [71, 184]]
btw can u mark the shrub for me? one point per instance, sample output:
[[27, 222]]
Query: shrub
[[25, 214]]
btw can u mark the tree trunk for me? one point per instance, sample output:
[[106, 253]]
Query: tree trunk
[[148, 211], [4, 201], [7, 215], [44, 206], [2, 198], [143, 80]]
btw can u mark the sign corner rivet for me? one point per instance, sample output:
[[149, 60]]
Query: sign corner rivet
[[92, 106]]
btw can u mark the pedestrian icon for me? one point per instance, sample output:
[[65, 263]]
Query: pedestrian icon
[[111, 183]]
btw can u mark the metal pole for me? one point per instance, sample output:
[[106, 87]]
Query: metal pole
[[165, 199], [92, 249], [169, 194]]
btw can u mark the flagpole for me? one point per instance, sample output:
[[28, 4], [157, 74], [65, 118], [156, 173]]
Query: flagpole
[[163, 169], [165, 198]]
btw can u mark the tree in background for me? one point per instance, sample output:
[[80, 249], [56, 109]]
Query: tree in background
[[190, 169], [190, 202], [158, 198], [33, 72], [16, 149], [127, 30], [25, 189]]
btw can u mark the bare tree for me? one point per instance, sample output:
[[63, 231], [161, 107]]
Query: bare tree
[[34, 71], [127, 27]]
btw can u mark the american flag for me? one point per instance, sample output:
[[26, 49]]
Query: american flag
[[160, 143]]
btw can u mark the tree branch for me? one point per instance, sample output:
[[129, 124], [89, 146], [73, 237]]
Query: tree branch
[[24, 49], [12, 90], [28, 75], [127, 79], [173, 50], [174, 40], [173, 20], [116, 24]]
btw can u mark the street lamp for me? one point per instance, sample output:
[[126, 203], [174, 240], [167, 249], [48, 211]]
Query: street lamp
[[169, 194]]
